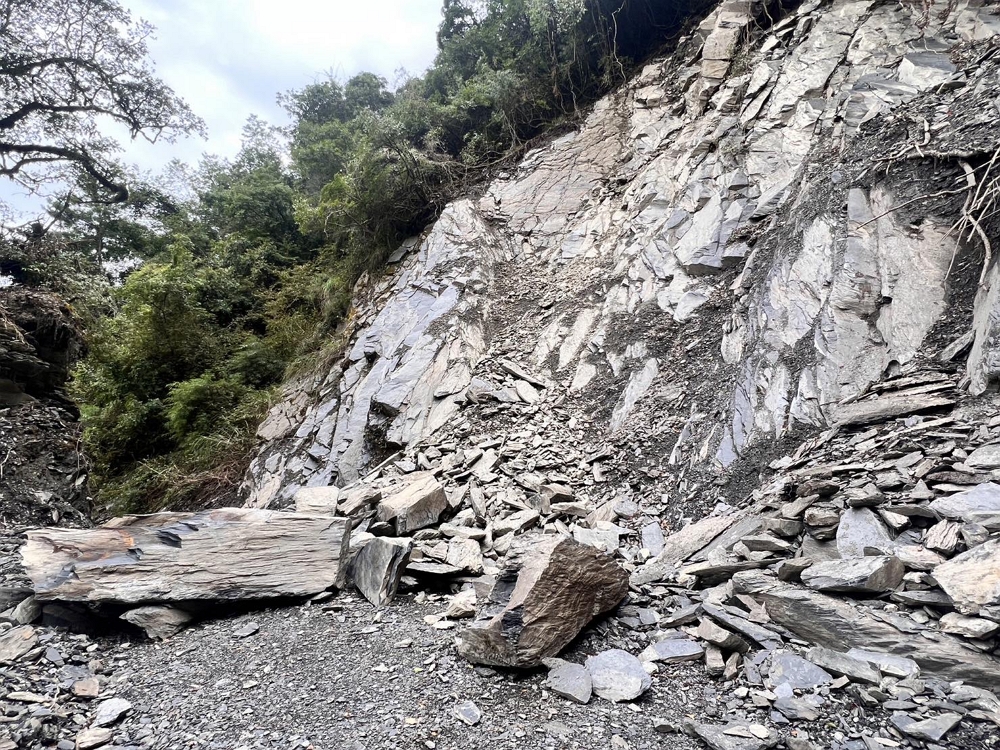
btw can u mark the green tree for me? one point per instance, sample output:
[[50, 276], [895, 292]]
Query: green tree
[[66, 66]]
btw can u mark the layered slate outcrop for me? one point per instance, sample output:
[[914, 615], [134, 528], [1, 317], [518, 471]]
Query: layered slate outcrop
[[745, 237]]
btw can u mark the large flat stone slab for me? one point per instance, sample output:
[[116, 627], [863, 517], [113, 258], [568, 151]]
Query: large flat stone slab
[[222, 554]]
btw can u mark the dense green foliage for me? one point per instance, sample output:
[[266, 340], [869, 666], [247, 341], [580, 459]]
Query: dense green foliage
[[251, 265]]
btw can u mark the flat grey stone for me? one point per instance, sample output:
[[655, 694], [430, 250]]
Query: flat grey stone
[[732, 736], [110, 711], [569, 680], [861, 575], [972, 579], [798, 673], [839, 663], [929, 730], [861, 529], [618, 676], [960, 506], [673, 650]]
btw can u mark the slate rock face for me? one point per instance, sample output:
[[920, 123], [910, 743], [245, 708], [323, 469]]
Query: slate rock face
[[549, 589]]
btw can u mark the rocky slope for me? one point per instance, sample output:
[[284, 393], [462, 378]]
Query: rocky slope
[[739, 331], [742, 240]]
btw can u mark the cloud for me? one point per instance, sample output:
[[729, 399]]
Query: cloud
[[230, 58]]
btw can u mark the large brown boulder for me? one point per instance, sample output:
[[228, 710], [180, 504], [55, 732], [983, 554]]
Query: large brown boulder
[[548, 591]]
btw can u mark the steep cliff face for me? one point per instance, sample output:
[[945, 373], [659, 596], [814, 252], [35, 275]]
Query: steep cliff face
[[788, 209]]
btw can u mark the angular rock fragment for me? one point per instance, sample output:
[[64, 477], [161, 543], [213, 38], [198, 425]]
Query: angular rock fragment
[[317, 500], [673, 650], [886, 407], [417, 505], [569, 680], [859, 575], [224, 554], [515, 523], [837, 624], [549, 589], [618, 676], [970, 627], [93, 737], [839, 663], [681, 545], [972, 579], [890, 664], [16, 642], [733, 736], [861, 530], [929, 730], [961, 505], [796, 709], [377, 567], [796, 672], [984, 457], [465, 554], [110, 711], [722, 638], [159, 622]]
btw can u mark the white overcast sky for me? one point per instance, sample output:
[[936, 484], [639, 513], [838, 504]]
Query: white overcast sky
[[230, 58]]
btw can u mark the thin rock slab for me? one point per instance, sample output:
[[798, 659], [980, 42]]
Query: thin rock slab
[[221, 554], [733, 736], [550, 588], [857, 575], [618, 676], [839, 663], [791, 669], [377, 567], [838, 624], [962, 505], [929, 730], [673, 651]]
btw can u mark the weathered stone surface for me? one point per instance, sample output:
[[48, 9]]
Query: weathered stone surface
[[571, 681], [732, 736], [722, 638], [837, 624], [860, 575], [798, 673], [839, 663], [110, 711], [378, 566], [548, 590], [972, 579], [465, 554], [317, 500], [93, 737], [16, 642], [228, 553], [886, 407], [416, 505], [930, 730], [673, 650], [970, 627], [860, 530], [960, 506], [984, 457], [158, 622], [681, 545], [618, 676]]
